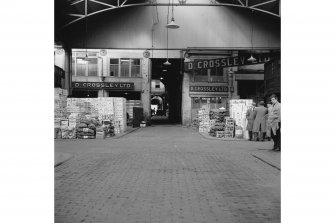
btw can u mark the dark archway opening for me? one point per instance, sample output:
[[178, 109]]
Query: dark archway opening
[[171, 77]]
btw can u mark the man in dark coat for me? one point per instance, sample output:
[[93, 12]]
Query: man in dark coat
[[251, 117], [275, 121], [260, 122]]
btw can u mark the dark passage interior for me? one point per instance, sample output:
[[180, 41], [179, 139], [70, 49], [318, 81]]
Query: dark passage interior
[[171, 77]]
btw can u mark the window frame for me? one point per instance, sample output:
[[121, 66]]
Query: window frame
[[75, 57], [225, 77], [129, 68]]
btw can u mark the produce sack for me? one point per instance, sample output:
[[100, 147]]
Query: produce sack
[[85, 134], [82, 125], [101, 129], [87, 130], [86, 137], [92, 126], [86, 121], [65, 134]]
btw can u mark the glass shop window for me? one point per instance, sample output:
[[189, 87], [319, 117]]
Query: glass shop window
[[200, 76], [216, 75], [125, 64], [84, 66], [135, 67], [114, 67], [125, 67], [92, 66]]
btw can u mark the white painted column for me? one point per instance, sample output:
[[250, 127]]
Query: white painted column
[[146, 88], [186, 100]]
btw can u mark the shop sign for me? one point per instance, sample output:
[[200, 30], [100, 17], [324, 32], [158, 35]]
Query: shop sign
[[224, 62], [104, 85], [209, 88]]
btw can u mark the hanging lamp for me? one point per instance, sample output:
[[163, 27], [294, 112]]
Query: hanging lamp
[[251, 58], [86, 55], [167, 63], [172, 24]]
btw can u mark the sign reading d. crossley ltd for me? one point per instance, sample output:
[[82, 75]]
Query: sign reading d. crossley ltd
[[209, 88], [104, 85], [224, 62]]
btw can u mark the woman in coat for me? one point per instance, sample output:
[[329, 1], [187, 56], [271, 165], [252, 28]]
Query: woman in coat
[[260, 122], [251, 117]]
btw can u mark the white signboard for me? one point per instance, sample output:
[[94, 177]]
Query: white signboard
[[238, 109]]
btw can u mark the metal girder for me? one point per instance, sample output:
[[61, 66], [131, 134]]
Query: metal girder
[[241, 3], [263, 3], [115, 4], [102, 3]]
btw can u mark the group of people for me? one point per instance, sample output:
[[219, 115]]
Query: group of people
[[265, 122]]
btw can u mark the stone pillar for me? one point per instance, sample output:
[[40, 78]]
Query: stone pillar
[[146, 89], [186, 100]]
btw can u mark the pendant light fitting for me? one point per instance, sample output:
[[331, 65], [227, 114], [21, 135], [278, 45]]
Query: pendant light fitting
[[167, 63], [86, 55], [251, 58], [172, 24]]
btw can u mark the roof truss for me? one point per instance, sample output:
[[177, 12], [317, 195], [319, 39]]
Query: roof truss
[[77, 10]]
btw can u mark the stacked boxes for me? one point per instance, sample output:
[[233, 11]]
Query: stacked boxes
[[69, 113], [220, 134], [229, 127], [204, 124], [238, 110], [103, 108], [120, 114], [73, 120], [60, 96]]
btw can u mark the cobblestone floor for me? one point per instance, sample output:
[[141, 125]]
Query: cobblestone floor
[[165, 174]]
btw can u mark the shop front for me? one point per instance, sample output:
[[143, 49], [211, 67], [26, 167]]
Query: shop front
[[212, 96]]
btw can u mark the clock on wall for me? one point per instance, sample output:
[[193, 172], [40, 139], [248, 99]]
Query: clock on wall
[[103, 52], [59, 51], [146, 54]]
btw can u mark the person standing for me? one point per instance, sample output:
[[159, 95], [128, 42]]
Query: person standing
[[275, 122], [251, 117], [260, 122], [268, 126]]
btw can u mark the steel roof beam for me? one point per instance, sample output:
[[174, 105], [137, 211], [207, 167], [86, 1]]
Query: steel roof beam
[[122, 4], [76, 15], [150, 3], [102, 3], [74, 3], [241, 3], [263, 3]]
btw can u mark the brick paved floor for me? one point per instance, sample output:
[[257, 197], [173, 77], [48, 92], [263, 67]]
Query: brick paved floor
[[165, 174]]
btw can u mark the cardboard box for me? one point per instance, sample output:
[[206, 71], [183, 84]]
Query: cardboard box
[[100, 135], [220, 134], [64, 123]]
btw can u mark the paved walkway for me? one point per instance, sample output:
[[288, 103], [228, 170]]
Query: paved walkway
[[166, 174]]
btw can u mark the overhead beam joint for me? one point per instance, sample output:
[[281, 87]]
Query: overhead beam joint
[[263, 3]]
